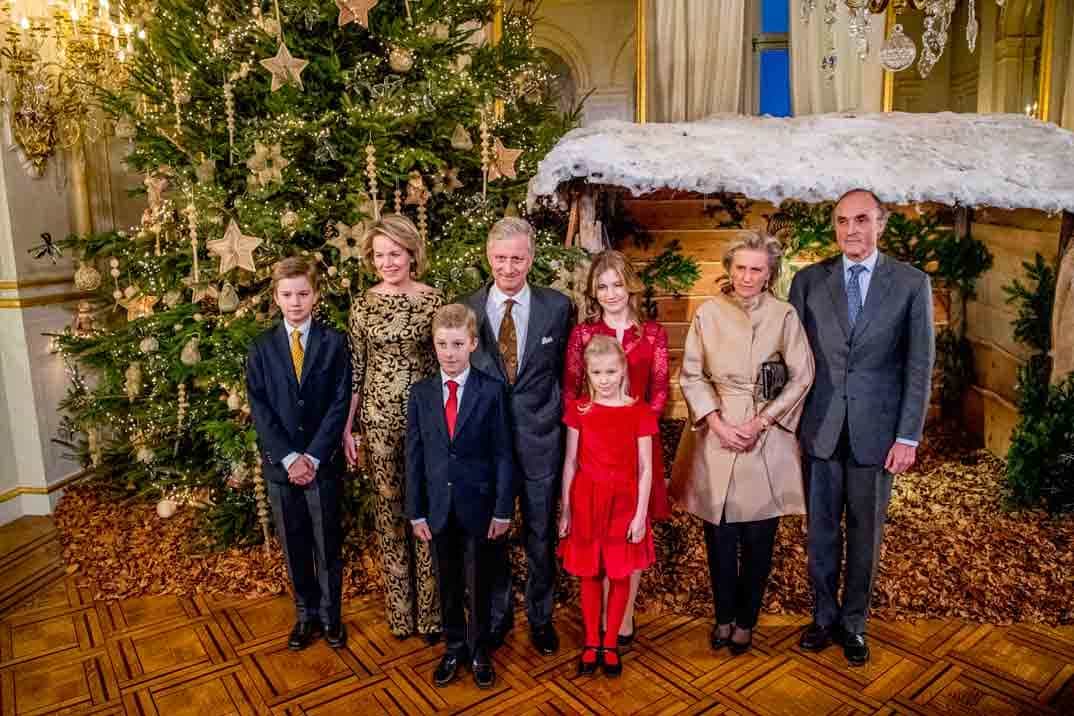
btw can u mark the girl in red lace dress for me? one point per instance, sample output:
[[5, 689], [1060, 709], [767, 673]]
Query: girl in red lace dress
[[613, 309], [604, 522]]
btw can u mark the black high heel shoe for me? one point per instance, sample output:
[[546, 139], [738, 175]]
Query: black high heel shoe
[[739, 648], [612, 670], [624, 642], [585, 668], [718, 642]]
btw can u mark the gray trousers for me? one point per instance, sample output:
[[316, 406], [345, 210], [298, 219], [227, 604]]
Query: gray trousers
[[310, 531], [835, 487]]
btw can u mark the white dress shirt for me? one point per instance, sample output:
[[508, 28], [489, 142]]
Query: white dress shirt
[[494, 308], [461, 380], [864, 279], [304, 339]]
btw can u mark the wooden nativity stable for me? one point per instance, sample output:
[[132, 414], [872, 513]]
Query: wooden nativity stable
[[1006, 179]]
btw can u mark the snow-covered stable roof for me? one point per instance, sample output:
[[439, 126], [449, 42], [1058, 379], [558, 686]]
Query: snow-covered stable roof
[[1006, 161]]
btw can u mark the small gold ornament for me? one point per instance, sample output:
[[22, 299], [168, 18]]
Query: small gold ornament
[[228, 300], [145, 455], [148, 345], [235, 249], [460, 139], [355, 11], [205, 171], [400, 59], [191, 353], [166, 508], [503, 161], [416, 193], [83, 323], [288, 220], [201, 290], [285, 69], [132, 384], [172, 298], [447, 181], [347, 240], [234, 400], [138, 304], [155, 186], [87, 277], [266, 165]]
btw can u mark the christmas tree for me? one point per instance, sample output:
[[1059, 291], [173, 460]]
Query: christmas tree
[[266, 130]]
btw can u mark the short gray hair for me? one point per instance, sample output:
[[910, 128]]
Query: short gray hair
[[757, 241], [511, 226], [884, 213]]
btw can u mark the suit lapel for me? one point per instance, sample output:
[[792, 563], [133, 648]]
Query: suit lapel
[[434, 402], [838, 292], [469, 398], [484, 328], [313, 345], [534, 330], [283, 342], [879, 288]]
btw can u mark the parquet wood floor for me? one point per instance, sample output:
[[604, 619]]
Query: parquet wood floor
[[61, 652]]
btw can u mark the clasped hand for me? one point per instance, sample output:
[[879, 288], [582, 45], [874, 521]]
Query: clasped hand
[[737, 438], [301, 471]]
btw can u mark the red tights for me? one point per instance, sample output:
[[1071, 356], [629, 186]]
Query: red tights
[[592, 595]]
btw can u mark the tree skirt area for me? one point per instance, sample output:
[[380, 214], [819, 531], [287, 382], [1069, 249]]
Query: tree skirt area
[[951, 549]]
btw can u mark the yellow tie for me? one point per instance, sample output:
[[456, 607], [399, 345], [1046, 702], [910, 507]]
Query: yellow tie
[[297, 353]]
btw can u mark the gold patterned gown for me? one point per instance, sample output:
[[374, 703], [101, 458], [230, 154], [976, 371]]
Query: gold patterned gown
[[391, 345]]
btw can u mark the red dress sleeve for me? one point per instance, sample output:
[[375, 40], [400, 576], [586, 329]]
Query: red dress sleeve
[[659, 377], [647, 425], [574, 363], [571, 417]]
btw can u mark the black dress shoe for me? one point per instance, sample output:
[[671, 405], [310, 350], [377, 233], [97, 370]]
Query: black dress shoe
[[497, 637], [545, 639], [718, 642], [335, 635], [587, 666], [738, 648], [611, 667], [432, 638], [484, 674], [303, 634], [624, 642], [447, 670], [816, 638], [855, 649]]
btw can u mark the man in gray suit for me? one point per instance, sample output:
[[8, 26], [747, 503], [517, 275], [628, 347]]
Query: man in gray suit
[[868, 318], [523, 333]]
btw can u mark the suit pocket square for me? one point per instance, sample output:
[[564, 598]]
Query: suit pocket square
[[546, 340]]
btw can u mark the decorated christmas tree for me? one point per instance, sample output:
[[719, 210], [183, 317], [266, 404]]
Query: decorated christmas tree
[[265, 130]]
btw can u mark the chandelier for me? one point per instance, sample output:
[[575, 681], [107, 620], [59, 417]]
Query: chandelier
[[53, 65], [898, 51]]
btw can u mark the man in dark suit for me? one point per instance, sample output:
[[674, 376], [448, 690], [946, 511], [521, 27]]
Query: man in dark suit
[[523, 333], [298, 381], [868, 318], [459, 486]]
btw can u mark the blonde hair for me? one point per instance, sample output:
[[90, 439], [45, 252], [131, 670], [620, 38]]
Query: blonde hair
[[455, 315], [598, 347], [614, 261], [511, 226], [293, 267], [399, 230], [757, 241]]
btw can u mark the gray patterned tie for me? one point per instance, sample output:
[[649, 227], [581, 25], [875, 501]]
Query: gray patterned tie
[[854, 303]]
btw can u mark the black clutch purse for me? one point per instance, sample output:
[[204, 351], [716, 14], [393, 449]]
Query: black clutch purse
[[773, 377]]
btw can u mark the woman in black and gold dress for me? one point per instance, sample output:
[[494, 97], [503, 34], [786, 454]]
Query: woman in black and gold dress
[[391, 344]]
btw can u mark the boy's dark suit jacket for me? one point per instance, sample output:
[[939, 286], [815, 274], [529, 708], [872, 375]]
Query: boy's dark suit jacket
[[306, 419], [470, 474]]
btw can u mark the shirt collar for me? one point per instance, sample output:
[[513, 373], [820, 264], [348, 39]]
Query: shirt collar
[[460, 378], [303, 329], [521, 299], [869, 263]]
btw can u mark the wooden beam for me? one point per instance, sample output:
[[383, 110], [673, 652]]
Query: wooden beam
[[1066, 233]]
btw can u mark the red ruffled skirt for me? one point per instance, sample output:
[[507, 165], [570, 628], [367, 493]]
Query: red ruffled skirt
[[601, 511]]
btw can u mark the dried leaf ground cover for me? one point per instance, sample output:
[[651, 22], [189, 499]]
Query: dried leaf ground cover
[[951, 550]]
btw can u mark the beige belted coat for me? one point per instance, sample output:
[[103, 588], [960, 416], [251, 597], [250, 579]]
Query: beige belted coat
[[726, 344]]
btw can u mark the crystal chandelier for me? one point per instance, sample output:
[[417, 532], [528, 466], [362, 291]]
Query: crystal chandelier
[[53, 67], [898, 51]]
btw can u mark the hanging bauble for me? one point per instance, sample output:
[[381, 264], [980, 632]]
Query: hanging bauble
[[133, 380], [400, 59], [190, 355], [145, 455], [234, 400], [172, 298], [83, 324], [460, 139], [148, 345], [898, 51], [166, 508], [228, 299], [87, 277], [288, 219], [205, 170], [238, 477]]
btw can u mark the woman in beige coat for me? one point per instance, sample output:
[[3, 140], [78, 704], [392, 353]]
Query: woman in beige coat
[[744, 470]]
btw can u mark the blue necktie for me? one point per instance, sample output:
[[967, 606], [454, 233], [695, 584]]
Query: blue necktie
[[854, 302]]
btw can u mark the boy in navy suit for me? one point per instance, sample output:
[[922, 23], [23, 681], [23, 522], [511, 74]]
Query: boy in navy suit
[[298, 380], [459, 489]]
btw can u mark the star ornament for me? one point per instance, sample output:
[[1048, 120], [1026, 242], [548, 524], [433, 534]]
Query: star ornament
[[503, 161], [416, 193], [447, 181], [235, 249], [138, 305], [201, 290], [355, 11], [266, 165], [348, 240], [285, 69]]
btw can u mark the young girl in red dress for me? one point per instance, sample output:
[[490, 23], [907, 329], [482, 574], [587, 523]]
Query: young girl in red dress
[[604, 523], [613, 308]]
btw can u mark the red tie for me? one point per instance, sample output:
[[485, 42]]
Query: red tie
[[451, 407]]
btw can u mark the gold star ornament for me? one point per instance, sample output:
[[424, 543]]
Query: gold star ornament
[[503, 161], [355, 11], [285, 69], [138, 304], [201, 290], [235, 249]]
